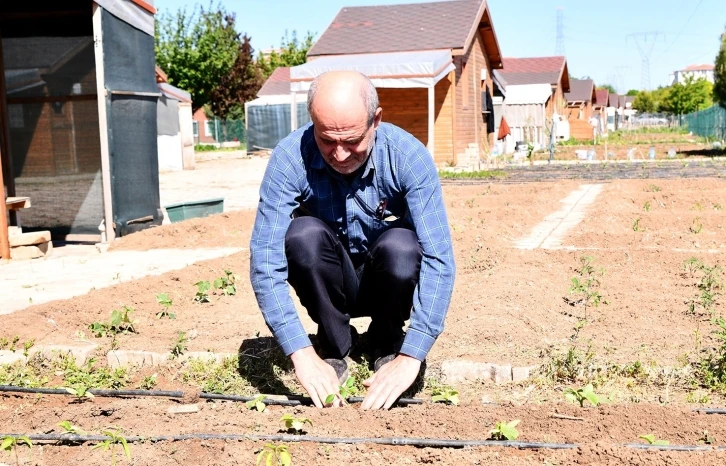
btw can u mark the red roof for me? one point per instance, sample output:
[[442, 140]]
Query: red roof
[[704, 67], [277, 84], [535, 70], [601, 97]]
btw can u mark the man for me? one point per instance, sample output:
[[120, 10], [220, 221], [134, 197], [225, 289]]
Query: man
[[352, 217]]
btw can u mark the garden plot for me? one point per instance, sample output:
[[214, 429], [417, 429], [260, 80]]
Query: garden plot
[[642, 351]]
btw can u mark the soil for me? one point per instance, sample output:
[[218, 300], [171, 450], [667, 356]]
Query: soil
[[510, 306]]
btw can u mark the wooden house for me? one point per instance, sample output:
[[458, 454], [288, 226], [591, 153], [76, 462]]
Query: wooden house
[[599, 109], [432, 64], [540, 70], [579, 112]]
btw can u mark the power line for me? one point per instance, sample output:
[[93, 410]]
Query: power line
[[682, 29], [645, 53], [560, 41]]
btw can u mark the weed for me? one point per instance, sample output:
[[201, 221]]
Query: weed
[[295, 424], [69, 428], [697, 397], [32, 374], [696, 226], [636, 225], [180, 345], [581, 395], [650, 438], [652, 188], [697, 206], [586, 285], [227, 283], [216, 377], [709, 287], [10, 444], [275, 455], [646, 206], [27, 345], [706, 438], [692, 265], [148, 382], [202, 295], [569, 367], [470, 203], [445, 395], [716, 206], [360, 372], [257, 403], [166, 302], [712, 370], [345, 391], [505, 431], [120, 323], [90, 376], [4, 343], [115, 437]]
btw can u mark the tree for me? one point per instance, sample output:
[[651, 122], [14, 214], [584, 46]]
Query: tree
[[633, 92], [690, 96], [292, 53], [238, 86], [644, 102], [196, 50], [719, 88], [608, 87]]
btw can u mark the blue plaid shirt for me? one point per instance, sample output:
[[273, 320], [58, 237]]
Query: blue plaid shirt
[[401, 170]]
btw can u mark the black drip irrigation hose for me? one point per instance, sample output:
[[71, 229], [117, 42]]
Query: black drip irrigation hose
[[710, 410], [292, 401], [71, 439]]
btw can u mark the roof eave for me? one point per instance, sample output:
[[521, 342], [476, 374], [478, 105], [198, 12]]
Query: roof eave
[[483, 25]]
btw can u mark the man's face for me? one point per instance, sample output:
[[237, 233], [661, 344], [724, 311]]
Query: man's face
[[345, 147]]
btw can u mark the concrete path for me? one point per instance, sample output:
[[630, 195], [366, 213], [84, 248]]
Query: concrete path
[[551, 231], [75, 270]]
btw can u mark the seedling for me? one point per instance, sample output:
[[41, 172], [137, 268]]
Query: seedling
[[115, 437], [180, 346], [650, 438], [81, 392], [10, 444], [296, 424], [148, 382], [69, 428], [653, 188], [257, 403], [646, 206], [587, 284], [636, 225], [581, 395], [692, 265], [505, 431], [706, 438], [709, 287], [202, 295], [275, 455], [696, 226], [166, 302], [120, 323], [445, 395], [227, 283], [345, 391]]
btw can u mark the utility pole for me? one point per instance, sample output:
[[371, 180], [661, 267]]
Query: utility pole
[[620, 80], [560, 43], [646, 50]]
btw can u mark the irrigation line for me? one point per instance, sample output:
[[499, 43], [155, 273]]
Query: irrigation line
[[292, 401], [72, 439], [710, 410]]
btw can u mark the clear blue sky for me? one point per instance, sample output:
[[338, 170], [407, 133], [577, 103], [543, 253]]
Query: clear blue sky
[[594, 32]]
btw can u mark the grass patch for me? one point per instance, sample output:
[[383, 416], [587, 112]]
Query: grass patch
[[213, 148], [480, 174], [216, 377]]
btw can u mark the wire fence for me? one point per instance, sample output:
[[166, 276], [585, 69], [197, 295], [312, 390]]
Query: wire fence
[[217, 131], [709, 123]]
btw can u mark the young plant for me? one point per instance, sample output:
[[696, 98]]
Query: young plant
[[115, 437], [445, 395], [706, 438], [27, 345], [180, 345], [227, 283], [257, 404], [636, 225], [10, 444], [148, 382], [202, 295], [345, 391], [696, 226], [650, 438], [274, 455], [587, 284], [709, 287], [69, 428], [581, 395], [166, 302], [81, 392], [505, 431], [120, 323], [646, 206], [296, 424]]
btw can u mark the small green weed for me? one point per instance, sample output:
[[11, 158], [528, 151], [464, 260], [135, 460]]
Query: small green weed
[[636, 225], [295, 424], [652, 188], [115, 438], [202, 295], [90, 376], [166, 302], [581, 395], [650, 438], [587, 285], [696, 227], [709, 287], [148, 382], [180, 345], [706, 438], [274, 455], [505, 430], [646, 206]]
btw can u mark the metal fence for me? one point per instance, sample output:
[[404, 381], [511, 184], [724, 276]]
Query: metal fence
[[214, 131], [709, 123]]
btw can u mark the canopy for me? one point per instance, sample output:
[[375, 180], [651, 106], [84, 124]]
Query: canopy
[[525, 94], [394, 70], [139, 13]]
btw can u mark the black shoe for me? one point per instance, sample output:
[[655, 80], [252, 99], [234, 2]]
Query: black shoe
[[341, 368], [324, 346]]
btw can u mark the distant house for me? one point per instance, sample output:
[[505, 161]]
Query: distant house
[[705, 71], [614, 112], [580, 100], [540, 70], [432, 64], [599, 108]]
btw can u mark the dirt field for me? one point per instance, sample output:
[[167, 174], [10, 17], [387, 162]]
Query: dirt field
[[510, 306]]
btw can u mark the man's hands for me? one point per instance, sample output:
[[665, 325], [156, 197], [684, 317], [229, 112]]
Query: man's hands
[[317, 377], [390, 382]]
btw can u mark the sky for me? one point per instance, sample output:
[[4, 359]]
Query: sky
[[597, 35]]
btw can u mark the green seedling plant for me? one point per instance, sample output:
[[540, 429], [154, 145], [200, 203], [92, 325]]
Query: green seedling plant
[[709, 287], [148, 382], [345, 391], [115, 438], [646, 206], [636, 225], [71, 429], [706, 438], [295, 424], [27, 345], [202, 295], [120, 323], [505, 430], [257, 403], [180, 345], [166, 303], [81, 392], [581, 395], [587, 285], [445, 395], [11, 443], [652, 440], [227, 283], [692, 265], [696, 227], [274, 455]]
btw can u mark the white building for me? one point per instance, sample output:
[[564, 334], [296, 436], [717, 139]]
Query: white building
[[697, 71]]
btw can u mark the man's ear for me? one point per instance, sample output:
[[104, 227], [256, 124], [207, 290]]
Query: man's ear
[[377, 118]]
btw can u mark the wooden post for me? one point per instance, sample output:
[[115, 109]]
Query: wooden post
[[6, 160], [432, 116], [103, 125]]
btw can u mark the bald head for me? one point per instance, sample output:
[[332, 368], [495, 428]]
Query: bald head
[[348, 92]]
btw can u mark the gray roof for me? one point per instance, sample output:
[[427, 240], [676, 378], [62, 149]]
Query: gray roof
[[581, 90]]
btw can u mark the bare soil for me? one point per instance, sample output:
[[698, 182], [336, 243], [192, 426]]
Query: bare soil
[[509, 306]]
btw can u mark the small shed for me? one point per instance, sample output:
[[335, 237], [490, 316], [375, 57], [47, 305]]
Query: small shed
[[580, 101], [174, 127], [540, 70], [599, 109], [78, 109], [525, 111]]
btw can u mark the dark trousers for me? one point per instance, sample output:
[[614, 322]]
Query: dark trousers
[[333, 286]]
